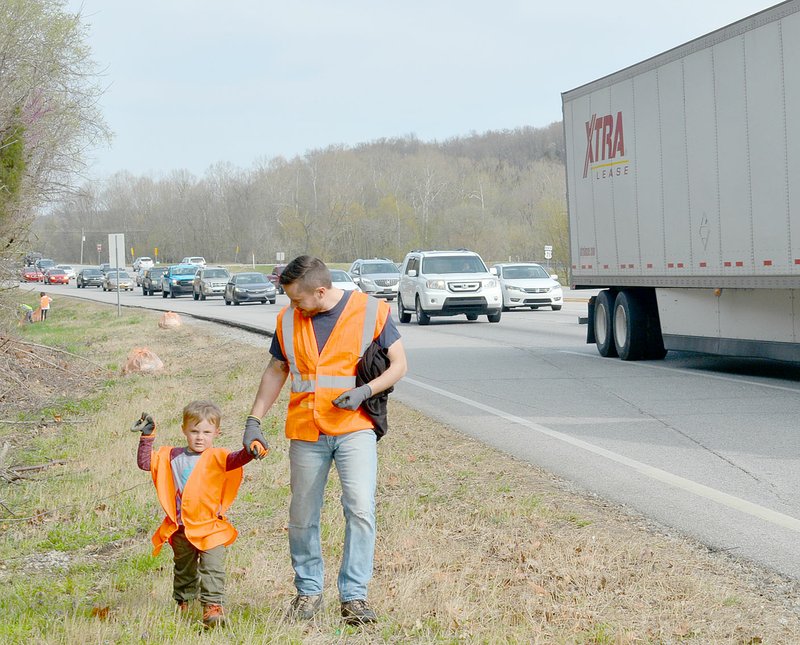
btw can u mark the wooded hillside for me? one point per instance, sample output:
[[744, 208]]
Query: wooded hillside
[[499, 193]]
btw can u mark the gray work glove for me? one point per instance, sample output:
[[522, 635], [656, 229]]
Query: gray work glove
[[352, 399], [253, 440], [145, 425]]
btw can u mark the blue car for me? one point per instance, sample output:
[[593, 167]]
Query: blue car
[[177, 280]]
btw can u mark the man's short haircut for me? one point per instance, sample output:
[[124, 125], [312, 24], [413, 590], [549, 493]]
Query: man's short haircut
[[198, 411], [308, 272]]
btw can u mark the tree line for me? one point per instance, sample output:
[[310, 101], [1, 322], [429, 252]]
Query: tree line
[[49, 87], [499, 193]]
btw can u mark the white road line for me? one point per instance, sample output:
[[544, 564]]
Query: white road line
[[684, 372], [657, 474]]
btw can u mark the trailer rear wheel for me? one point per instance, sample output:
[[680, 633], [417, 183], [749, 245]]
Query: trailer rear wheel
[[630, 322], [603, 330], [637, 330]]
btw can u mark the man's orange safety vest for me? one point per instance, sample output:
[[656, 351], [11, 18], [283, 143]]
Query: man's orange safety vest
[[208, 493], [317, 379]]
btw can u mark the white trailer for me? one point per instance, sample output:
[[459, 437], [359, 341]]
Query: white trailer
[[683, 189]]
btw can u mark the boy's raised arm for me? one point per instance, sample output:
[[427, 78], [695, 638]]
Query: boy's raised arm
[[147, 427]]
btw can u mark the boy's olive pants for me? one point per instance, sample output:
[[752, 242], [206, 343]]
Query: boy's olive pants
[[196, 569]]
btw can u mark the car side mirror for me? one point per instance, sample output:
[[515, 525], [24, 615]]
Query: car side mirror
[[493, 270], [412, 273], [554, 276]]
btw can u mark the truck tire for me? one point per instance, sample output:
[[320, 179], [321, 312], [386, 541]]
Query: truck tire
[[422, 317], [495, 317], [637, 329], [402, 314], [603, 327]]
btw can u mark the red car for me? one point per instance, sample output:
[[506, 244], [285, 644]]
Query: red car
[[32, 274], [56, 276]]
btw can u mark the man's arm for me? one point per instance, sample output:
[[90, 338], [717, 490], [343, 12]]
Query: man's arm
[[397, 369], [270, 387]]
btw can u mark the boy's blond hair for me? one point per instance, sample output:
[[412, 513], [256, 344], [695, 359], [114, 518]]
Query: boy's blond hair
[[198, 411]]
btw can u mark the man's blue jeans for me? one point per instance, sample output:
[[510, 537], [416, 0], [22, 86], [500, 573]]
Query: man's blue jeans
[[356, 460]]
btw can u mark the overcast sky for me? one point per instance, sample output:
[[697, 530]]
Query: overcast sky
[[196, 82]]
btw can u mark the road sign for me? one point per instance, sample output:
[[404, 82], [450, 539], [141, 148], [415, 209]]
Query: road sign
[[548, 252], [99, 248], [116, 250], [279, 256]]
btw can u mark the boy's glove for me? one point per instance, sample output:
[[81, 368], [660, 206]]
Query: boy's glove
[[352, 399], [145, 425], [254, 441]]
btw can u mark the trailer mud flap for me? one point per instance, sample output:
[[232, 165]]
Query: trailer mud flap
[[590, 339]]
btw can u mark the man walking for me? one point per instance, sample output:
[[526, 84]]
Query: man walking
[[318, 341]]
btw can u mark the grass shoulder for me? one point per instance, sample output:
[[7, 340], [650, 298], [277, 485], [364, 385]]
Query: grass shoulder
[[473, 546]]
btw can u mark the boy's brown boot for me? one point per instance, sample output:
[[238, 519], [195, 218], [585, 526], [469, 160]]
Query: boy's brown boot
[[213, 616], [183, 607]]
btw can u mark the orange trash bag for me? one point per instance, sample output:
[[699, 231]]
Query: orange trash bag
[[142, 360], [169, 320]]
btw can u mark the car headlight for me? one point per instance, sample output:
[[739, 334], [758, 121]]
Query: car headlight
[[555, 288], [366, 282], [238, 290], [512, 287], [436, 284], [489, 284]]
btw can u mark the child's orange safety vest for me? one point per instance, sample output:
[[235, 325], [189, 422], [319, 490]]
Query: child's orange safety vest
[[208, 493]]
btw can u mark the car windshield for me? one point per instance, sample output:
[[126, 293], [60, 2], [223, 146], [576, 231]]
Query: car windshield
[[88, 272], [378, 267], [216, 273], [250, 278], [123, 275], [157, 272], [56, 272], [340, 276], [185, 268], [453, 264], [66, 267], [525, 272]]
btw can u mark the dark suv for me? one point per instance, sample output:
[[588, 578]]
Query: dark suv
[[275, 276], [151, 280]]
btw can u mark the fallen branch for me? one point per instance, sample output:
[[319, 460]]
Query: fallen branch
[[62, 351], [25, 469]]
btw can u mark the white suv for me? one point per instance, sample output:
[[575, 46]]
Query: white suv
[[447, 283]]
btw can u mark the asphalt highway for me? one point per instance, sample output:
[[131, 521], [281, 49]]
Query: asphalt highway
[[705, 446]]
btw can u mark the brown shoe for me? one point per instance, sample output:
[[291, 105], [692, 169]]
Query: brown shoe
[[357, 612], [213, 616], [304, 607], [183, 606]]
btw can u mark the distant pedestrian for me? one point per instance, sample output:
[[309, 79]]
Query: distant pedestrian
[[44, 304], [25, 313]]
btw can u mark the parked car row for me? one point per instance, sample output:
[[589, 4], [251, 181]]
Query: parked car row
[[427, 284]]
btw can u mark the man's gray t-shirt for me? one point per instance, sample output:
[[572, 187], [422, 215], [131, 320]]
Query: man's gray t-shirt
[[324, 322]]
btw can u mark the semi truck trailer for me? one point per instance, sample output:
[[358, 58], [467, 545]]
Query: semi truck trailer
[[683, 193]]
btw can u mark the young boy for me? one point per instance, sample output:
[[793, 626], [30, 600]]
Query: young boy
[[44, 304], [195, 486]]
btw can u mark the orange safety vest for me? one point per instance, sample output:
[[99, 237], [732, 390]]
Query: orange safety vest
[[208, 493], [44, 302], [317, 379]]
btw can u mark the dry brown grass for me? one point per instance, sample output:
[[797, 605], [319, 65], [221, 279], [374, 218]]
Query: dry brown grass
[[473, 546]]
